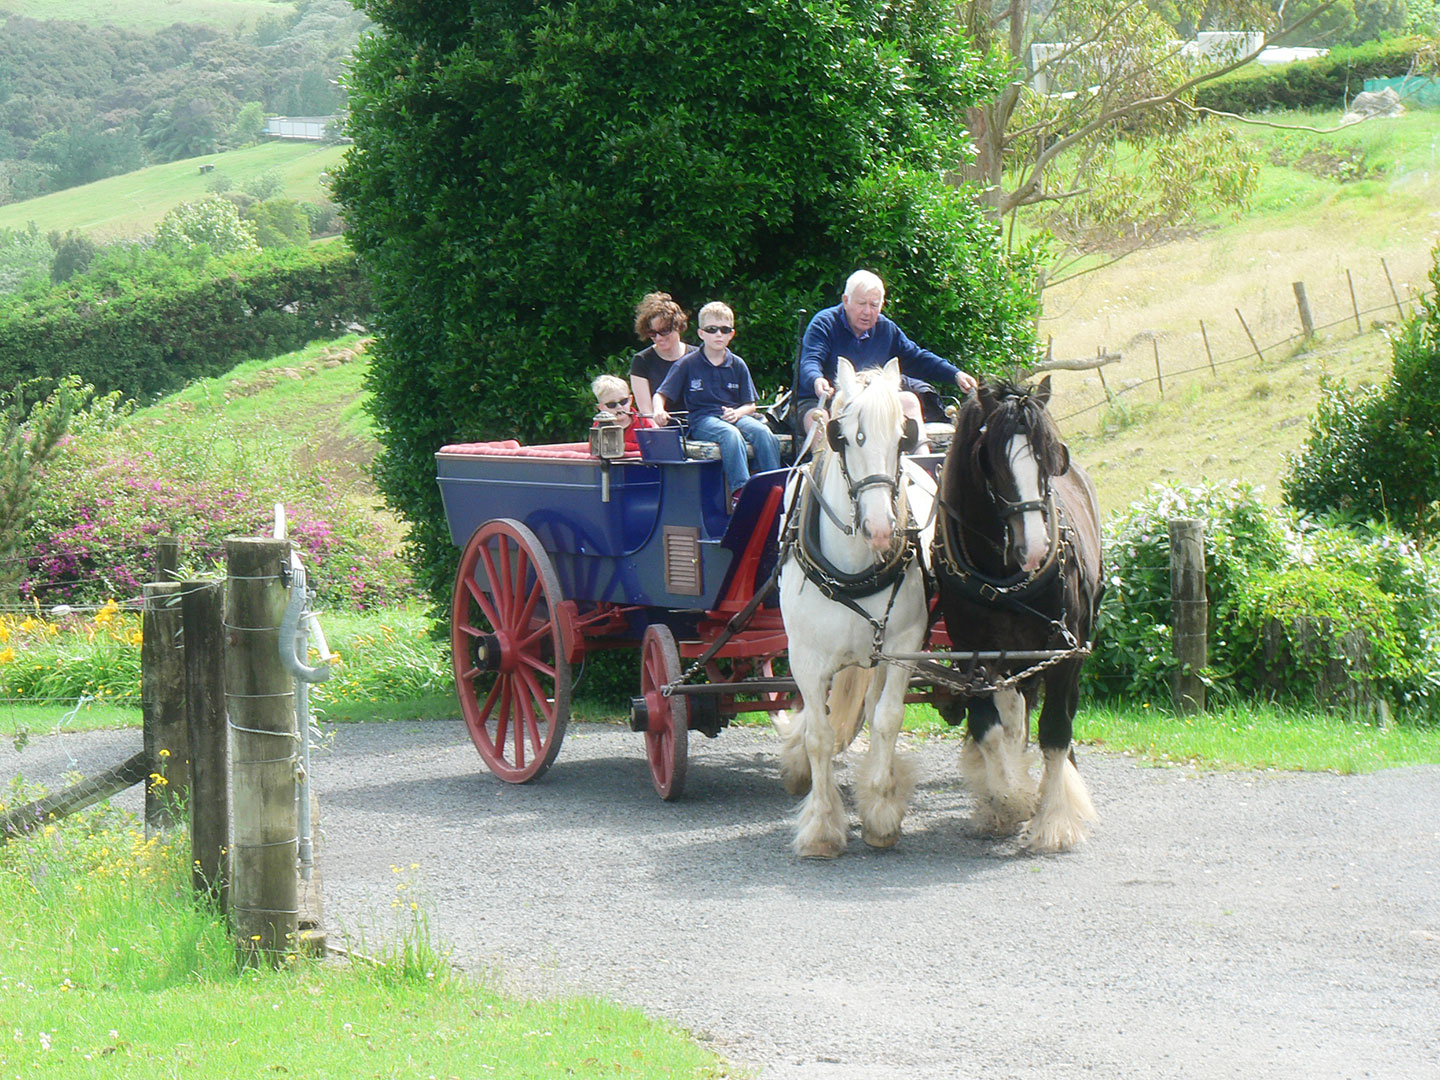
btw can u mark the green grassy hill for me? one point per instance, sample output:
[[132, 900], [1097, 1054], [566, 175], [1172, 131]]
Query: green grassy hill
[[1312, 222], [129, 206], [149, 16]]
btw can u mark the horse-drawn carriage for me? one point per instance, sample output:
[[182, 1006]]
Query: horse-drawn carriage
[[568, 550]]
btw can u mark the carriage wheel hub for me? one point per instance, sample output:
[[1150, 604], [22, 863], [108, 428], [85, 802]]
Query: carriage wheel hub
[[489, 652]]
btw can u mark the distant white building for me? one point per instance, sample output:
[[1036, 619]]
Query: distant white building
[[299, 127]]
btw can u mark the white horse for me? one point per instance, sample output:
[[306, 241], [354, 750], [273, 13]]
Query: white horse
[[851, 583]]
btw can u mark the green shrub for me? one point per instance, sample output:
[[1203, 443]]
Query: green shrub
[[1376, 453], [143, 322], [1326, 82], [1267, 567], [114, 488], [518, 181]]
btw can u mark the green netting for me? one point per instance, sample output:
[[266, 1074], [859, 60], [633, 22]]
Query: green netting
[[1414, 92]]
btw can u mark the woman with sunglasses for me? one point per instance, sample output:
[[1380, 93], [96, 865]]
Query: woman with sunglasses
[[660, 321]]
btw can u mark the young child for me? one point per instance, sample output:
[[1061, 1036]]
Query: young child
[[612, 398], [715, 386]]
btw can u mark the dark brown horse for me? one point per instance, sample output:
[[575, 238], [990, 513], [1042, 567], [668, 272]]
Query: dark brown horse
[[1017, 560]]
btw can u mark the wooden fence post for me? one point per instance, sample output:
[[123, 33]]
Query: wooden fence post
[[1354, 306], [162, 704], [1307, 321], [167, 558], [1208, 354], [1393, 294], [1191, 611], [1253, 344], [260, 695], [202, 603]]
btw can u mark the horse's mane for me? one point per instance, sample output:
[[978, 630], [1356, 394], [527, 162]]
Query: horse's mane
[[879, 405], [1000, 408]]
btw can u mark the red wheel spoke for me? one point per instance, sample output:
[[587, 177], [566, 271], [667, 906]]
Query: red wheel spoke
[[524, 722], [522, 580], [507, 605], [536, 664], [466, 628], [470, 673], [541, 698], [527, 644], [523, 618], [480, 598], [502, 717], [490, 699]]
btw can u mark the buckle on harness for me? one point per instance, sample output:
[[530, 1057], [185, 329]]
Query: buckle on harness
[[989, 593]]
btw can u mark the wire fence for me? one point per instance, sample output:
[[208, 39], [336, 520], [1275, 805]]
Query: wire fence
[[1256, 352]]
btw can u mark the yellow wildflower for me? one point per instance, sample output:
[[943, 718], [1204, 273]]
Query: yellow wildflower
[[7, 655]]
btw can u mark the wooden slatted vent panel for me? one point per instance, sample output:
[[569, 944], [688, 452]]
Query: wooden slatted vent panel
[[682, 560]]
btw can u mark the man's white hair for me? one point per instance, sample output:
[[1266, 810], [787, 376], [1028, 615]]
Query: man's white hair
[[864, 281]]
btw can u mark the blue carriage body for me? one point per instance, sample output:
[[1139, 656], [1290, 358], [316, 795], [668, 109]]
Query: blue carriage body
[[632, 532]]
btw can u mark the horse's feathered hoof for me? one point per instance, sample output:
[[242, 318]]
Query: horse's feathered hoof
[[796, 784], [1065, 807], [879, 840], [826, 849]]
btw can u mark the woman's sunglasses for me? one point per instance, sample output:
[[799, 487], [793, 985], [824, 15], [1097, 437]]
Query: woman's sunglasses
[[661, 333]]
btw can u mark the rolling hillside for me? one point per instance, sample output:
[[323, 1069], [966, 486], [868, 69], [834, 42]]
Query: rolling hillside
[[128, 206]]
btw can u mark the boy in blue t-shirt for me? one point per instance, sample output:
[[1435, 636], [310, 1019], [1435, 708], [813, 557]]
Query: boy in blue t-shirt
[[715, 386]]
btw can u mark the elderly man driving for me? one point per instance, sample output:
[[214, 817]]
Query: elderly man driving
[[856, 330]]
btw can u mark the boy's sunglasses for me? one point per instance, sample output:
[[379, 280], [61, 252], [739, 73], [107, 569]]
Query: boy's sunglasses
[[718, 329], [615, 404]]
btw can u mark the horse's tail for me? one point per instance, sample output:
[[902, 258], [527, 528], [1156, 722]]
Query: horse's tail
[[847, 703]]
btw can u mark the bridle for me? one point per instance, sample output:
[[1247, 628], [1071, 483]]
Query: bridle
[[839, 443], [1012, 508]]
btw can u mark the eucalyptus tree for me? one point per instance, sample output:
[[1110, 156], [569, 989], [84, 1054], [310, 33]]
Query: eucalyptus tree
[[1093, 135]]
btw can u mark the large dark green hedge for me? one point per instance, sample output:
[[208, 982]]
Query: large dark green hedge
[[524, 172], [1327, 82], [142, 322], [1376, 454]]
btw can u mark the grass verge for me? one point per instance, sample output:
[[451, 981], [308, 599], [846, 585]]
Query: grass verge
[[1258, 736], [110, 969]]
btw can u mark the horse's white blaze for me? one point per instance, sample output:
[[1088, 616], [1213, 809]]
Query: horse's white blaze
[[1027, 529], [877, 517]]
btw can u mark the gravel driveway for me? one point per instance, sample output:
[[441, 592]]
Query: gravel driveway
[[1216, 925]]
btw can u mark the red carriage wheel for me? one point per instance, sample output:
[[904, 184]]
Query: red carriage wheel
[[511, 673], [667, 727]]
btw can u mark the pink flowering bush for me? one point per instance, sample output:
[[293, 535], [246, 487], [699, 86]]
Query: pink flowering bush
[[103, 503]]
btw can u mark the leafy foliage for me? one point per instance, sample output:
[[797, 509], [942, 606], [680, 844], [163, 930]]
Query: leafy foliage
[[31, 426], [25, 255], [1327, 82], [143, 321], [1376, 453], [519, 181], [279, 223], [1304, 584], [213, 222]]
